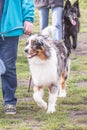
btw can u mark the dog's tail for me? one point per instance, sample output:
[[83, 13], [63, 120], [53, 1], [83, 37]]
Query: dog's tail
[[47, 31]]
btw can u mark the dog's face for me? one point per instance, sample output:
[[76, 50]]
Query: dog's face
[[71, 12], [38, 46]]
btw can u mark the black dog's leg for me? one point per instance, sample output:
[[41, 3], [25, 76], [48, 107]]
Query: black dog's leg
[[68, 43], [74, 37]]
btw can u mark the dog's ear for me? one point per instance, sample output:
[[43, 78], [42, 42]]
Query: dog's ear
[[76, 4], [67, 5]]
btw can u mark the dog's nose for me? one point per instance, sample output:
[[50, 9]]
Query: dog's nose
[[26, 50]]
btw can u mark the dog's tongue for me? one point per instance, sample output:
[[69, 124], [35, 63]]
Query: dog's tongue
[[31, 55], [73, 22]]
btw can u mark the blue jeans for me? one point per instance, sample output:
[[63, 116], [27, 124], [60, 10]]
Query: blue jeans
[[56, 21], [8, 54]]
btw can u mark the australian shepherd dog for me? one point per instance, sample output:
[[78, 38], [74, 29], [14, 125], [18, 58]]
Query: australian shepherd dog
[[49, 65]]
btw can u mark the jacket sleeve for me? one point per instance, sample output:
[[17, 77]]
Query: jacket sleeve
[[28, 10]]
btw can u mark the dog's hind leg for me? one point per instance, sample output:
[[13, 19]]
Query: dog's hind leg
[[64, 76], [62, 91], [53, 94], [38, 94]]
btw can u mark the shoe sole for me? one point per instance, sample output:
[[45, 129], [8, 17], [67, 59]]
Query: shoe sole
[[10, 113]]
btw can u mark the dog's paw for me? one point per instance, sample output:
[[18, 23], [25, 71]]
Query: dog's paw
[[51, 111], [44, 105], [62, 94], [74, 46]]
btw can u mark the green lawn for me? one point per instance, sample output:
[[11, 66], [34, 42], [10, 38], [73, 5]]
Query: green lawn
[[71, 111]]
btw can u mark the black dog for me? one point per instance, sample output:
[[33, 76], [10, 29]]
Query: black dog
[[71, 24]]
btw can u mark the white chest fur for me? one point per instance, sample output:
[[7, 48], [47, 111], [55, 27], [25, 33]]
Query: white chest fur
[[44, 72]]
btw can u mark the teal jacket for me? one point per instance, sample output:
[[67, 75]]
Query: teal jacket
[[15, 12]]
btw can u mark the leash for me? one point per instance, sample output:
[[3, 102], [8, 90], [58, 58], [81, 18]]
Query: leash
[[29, 83]]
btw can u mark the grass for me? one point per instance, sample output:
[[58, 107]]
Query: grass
[[71, 111]]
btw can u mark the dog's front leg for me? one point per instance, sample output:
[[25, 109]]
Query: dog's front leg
[[53, 94], [74, 37], [67, 42], [38, 94]]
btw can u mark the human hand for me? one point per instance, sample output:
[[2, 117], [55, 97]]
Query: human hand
[[28, 26]]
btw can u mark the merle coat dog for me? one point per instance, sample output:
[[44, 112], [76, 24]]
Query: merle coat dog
[[71, 24]]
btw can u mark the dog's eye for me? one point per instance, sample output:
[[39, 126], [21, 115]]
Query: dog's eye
[[41, 43], [74, 11], [71, 11], [38, 45]]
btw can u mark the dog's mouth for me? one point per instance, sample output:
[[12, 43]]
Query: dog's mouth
[[73, 21], [31, 55]]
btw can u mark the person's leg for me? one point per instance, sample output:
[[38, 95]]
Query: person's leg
[[44, 17], [57, 23], [8, 53]]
